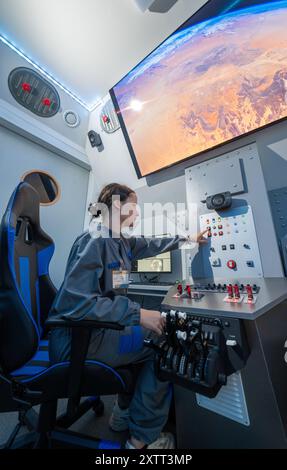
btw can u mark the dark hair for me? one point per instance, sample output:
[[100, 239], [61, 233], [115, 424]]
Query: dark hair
[[106, 196]]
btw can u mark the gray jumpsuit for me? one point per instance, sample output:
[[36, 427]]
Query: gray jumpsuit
[[86, 293]]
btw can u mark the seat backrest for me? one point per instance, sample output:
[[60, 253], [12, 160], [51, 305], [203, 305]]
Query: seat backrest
[[26, 291]]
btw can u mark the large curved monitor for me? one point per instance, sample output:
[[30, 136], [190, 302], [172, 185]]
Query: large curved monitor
[[221, 75]]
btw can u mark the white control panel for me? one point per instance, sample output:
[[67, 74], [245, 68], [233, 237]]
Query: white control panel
[[232, 248]]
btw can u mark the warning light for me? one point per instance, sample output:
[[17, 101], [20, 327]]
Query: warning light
[[46, 102], [106, 119], [26, 87]]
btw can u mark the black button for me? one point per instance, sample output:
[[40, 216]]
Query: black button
[[232, 247], [224, 247]]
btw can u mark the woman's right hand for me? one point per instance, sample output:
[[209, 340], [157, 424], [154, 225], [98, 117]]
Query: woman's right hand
[[152, 320]]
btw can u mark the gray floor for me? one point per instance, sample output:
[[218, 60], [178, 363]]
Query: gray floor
[[89, 424]]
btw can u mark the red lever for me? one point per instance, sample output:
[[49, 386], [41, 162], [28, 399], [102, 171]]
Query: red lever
[[26, 87], [179, 288], [249, 292], [236, 292], [188, 290], [230, 291]]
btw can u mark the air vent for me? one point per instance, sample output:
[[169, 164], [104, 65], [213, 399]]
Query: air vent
[[229, 402]]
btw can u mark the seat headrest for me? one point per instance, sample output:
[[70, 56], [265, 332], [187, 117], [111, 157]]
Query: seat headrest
[[25, 253]]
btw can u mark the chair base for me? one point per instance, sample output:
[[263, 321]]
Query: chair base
[[30, 419]]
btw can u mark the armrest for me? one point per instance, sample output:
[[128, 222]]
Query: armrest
[[59, 322]]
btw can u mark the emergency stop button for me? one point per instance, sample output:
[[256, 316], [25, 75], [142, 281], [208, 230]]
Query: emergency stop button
[[231, 264]]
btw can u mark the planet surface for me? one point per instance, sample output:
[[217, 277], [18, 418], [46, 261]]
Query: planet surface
[[206, 85]]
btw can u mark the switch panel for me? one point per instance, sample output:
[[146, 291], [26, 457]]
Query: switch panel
[[232, 248]]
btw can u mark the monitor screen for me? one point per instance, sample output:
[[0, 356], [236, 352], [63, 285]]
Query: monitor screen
[[157, 264], [221, 75]]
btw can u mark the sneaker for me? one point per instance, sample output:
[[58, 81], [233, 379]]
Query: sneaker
[[164, 441], [119, 420]]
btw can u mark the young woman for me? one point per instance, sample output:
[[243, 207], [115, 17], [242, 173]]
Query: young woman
[[98, 266]]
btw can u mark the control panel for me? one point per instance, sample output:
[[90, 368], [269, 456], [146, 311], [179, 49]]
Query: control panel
[[199, 352], [235, 292], [227, 196], [33, 92], [232, 243]]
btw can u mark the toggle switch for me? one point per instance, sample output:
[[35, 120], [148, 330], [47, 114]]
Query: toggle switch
[[249, 291], [230, 291], [179, 289], [188, 290], [236, 291]]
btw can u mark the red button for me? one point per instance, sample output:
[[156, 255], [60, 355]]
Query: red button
[[46, 101], [26, 87], [106, 119], [231, 264], [220, 234]]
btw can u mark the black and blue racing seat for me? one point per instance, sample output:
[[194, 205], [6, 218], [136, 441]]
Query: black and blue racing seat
[[26, 376]]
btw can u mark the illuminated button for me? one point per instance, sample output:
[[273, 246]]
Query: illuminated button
[[209, 234], [26, 87], [220, 227], [106, 119], [220, 234], [46, 102], [231, 264]]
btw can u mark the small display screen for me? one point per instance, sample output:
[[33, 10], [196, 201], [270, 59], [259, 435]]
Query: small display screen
[[156, 264]]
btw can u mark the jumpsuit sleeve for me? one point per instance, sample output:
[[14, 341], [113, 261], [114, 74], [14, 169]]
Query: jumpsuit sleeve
[[142, 247], [81, 297]]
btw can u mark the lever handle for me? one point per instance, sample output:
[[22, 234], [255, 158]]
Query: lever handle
[[148, 343]]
